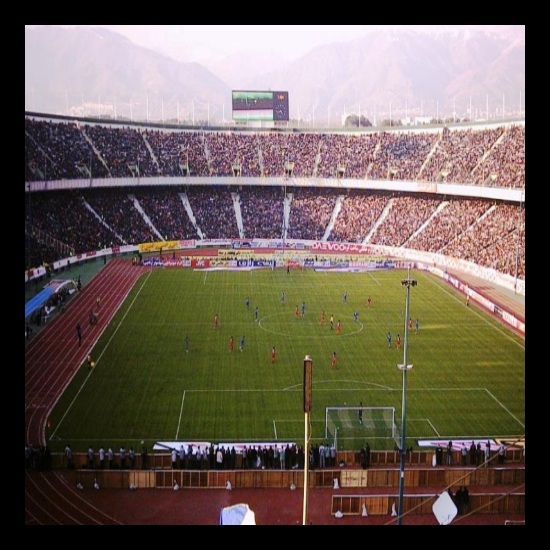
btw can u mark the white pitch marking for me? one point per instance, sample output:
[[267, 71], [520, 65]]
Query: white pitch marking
[[101, 355], [181, 410]]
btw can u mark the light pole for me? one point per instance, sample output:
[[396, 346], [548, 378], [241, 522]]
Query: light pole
[[405, 367]]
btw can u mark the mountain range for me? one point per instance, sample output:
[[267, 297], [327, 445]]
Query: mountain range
[[422, 71]]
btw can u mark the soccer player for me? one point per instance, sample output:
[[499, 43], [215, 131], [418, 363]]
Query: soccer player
[[388, 338], [410, 323], [296, 312], [334, 362], [186, 342], [345, 298], [247, 301], [355, 315], [323, 318], [338, 327], [332, 322], [283, 298], [90, 362], [216, 321], [231, 344], [398, 342], [241, 347], [273, 355], [361, 412], [416, 325], [467, 299], [303, 308], [368, 301], [256, 314]]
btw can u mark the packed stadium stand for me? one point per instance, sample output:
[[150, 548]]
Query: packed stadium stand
[[139, 188]]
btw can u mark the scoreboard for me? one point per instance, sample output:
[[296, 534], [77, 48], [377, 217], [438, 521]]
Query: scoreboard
[[254, 105]]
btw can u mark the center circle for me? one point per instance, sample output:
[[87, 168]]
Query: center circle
[[307, 326]]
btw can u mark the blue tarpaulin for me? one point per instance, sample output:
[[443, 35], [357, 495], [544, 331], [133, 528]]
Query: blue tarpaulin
[[38, 301]]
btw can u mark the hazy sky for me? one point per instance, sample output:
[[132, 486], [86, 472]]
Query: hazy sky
[[208, 42]]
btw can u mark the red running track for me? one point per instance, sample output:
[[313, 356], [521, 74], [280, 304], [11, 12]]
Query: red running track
[[51, 360], [54, 356]]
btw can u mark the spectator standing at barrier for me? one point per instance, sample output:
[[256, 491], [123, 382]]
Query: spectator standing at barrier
[[449, 453], [79, 334], [501, 453], [122, 457], [487, 453], [479, 453], [174, 459], [69, 455], [463, 453], [101, 457], [473, 454], [132, 457], [181, 457], [439, 456], [90, 457], [111, 457]]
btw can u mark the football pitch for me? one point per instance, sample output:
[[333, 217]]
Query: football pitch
[[468, 379]]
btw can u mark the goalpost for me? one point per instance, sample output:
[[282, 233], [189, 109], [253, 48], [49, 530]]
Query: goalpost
[[351, 427]]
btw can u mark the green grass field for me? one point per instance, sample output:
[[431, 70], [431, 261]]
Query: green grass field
[[468, 378]]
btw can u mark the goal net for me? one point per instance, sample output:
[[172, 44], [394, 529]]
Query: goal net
[[353, 426]]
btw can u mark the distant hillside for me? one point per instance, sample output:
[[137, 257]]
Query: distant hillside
[[83, 66]]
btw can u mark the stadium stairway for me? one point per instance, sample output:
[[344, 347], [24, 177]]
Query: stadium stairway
[[148, 221], [189, 210], [335, 212], [102, 221], [237, 206], [382, 217]]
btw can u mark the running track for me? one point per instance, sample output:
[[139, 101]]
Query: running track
[[51, 360]]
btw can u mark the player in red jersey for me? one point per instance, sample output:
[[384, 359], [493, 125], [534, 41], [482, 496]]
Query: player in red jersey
[[273, 355]]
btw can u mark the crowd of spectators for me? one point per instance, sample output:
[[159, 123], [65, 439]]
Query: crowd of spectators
[[310, 213], [57, 150], [214, 211], [478, 230], [485, 242], [64, 216], [406, 214], [262, 212], [454, 218], [115, 207], [124, 150], [458, 153], [357, 217], [400, 156], [176, 150], [505, 161], [351, 153], [166, 211]]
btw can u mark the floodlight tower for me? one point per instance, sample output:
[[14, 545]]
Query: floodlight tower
[[405, 367]]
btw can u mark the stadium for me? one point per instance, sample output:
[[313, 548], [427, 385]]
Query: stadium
[[325, 323]]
